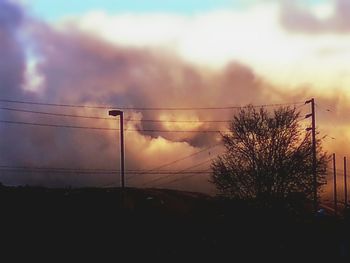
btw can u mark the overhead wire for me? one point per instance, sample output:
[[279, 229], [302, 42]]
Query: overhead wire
[[169, 174], [133, 175], [179, 172], [185, 157], [65, 169], [105, 118], [107, 129], [182, 173], [94, 172], [110, 118], [318, 106], [182, 178], [145, 108]]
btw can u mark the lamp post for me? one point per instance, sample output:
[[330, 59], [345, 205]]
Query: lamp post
[[120, 113]]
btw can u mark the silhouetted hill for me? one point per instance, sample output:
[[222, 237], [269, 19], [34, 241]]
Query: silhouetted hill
[[155, 224]]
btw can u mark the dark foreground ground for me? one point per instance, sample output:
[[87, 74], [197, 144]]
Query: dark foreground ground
[[164, 225]]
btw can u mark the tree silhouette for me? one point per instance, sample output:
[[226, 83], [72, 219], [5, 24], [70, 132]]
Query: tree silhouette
[[268, 155]]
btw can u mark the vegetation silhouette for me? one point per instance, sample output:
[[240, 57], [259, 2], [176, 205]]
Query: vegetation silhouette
[[268, 157]]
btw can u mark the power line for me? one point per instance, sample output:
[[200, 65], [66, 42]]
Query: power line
[[183, 172], [57, 126], [111, 119], [132, 176], [327, 136], [107, 129], [180, 172], [55, 114], [182, 178], [184, 158], [327, 110], [323, 108], [146, 108], [23, 169], [10, 167], [73, 169], [96, 172], [179, 121], [61, 170], [54, 171], [80, 169], [57, 168]]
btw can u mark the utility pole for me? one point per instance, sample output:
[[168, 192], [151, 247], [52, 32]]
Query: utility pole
[[335, 185], [122, 149], [314, 153], [345, 184]]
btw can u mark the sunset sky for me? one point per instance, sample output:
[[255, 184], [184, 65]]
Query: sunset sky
[[161, 54]]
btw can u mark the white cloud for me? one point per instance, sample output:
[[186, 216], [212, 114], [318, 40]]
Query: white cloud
[[253, 36], [33, 80], [323, 10]]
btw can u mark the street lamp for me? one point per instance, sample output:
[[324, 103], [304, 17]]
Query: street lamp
[[119, 113]]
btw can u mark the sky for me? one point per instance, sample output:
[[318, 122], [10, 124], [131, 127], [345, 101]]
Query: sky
[[58, 9], [163, 54]]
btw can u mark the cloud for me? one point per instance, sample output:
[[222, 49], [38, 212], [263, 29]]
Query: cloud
[[252, 36], [297, 18], [12, 56]]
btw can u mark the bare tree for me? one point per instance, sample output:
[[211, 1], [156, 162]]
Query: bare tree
[[268, 154]]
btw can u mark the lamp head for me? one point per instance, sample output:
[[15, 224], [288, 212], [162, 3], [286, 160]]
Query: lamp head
[[115, 112]]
